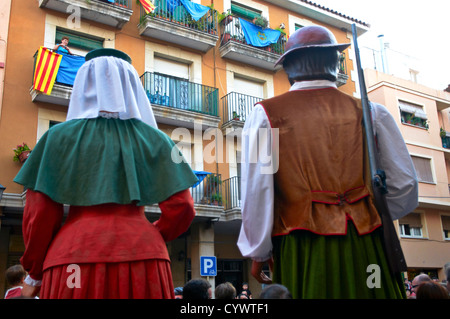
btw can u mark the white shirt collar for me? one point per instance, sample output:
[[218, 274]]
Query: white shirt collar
[[305, 85]]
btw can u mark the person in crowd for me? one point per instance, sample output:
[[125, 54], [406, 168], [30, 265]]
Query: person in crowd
[[196, 289], [431, 290], [246, 290], [225, 290], [178, 293], [15, 276], [275, 291], [419, 279]]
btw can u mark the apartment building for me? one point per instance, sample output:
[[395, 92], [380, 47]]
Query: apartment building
[[202, 78], [422, 114]]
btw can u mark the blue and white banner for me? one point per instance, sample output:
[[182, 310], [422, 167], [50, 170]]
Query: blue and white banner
[[257, 36]]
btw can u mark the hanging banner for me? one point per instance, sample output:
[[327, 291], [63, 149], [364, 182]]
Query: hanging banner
[[257, 36]]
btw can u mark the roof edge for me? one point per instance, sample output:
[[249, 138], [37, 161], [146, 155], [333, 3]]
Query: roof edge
[[323, 14]]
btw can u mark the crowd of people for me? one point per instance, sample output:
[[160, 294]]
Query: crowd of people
[[201, 289], [421, 287], [425, 287]]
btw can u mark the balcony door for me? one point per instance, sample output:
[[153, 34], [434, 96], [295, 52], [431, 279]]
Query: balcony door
[[177, 91], [247, 87]]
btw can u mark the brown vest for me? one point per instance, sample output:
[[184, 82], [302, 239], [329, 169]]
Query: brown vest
[[320, 183]]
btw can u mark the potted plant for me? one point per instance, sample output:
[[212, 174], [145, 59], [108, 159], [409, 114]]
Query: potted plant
[[21, 153], [261, 22], [443, 133], [236, 116], [216, 199]]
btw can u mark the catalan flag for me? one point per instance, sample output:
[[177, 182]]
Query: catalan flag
[[148, 6], [46, 68]]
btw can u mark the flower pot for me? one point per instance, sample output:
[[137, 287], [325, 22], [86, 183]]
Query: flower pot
[[23, 156], [226, 38]]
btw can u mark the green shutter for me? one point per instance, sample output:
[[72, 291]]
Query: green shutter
[[79, 41], [244, 12]]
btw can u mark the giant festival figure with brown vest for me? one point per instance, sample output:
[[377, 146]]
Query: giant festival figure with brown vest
[[309, 212]]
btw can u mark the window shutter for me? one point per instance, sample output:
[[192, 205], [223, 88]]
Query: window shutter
[[423, 169], [244, 12], [417, 110], [412, 219]]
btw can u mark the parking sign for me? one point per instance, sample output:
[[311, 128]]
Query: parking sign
[[208, 266]]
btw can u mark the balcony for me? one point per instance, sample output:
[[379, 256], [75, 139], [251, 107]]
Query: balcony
[[114, 13], [178, 102], [342, 74], [178, 27], [231, 191], [61, 92], [233, 46], [207, 198], [236, 107]]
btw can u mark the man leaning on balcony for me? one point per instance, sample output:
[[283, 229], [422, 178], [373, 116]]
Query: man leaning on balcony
[[314, 219], [106, 162]]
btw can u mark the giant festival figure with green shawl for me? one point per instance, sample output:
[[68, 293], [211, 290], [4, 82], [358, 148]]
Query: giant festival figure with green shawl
[[106, 163], [310, 212]]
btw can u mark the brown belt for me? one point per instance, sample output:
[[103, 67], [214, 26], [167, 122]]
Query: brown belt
[[334, 198]]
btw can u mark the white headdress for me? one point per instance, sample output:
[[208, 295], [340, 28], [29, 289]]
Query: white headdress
[[109, 84]]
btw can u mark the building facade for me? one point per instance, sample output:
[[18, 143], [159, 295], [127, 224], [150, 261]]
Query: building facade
[[422, 114], [202, 78]]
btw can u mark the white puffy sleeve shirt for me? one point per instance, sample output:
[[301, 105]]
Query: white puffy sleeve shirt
[[257, 179]]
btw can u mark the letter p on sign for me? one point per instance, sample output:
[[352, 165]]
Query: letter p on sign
[[208, 266]]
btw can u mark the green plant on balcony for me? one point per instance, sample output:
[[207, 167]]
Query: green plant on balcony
[[341, 63], [21, 153], [236, 116], [216, 199], [442, 133], [261, 22]]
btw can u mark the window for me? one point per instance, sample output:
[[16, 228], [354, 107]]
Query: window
[[413, 114], [446, 227], [411, 226], [79, 43], [298, 26], [171, 67], [248, 87], [53, 123], [244, 12], [423, 169]]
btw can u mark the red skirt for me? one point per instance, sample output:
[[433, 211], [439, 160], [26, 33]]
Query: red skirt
[[144, 279]]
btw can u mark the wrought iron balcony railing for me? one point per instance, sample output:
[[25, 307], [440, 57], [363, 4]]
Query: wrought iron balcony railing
[[232, 31], [237, 106], [232, 193], [208, 191], [120, 3], [342, 64], [179, 15], [179, 93]]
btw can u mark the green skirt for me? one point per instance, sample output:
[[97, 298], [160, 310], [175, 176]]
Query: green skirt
[[350, 266]]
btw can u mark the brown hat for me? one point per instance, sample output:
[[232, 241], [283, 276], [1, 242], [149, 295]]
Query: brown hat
[[314, 36]]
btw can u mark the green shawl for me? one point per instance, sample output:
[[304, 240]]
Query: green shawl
[[95, 161]]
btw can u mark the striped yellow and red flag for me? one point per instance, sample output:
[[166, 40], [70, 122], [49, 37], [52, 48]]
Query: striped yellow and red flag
[[46, 68], [148, 6]]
